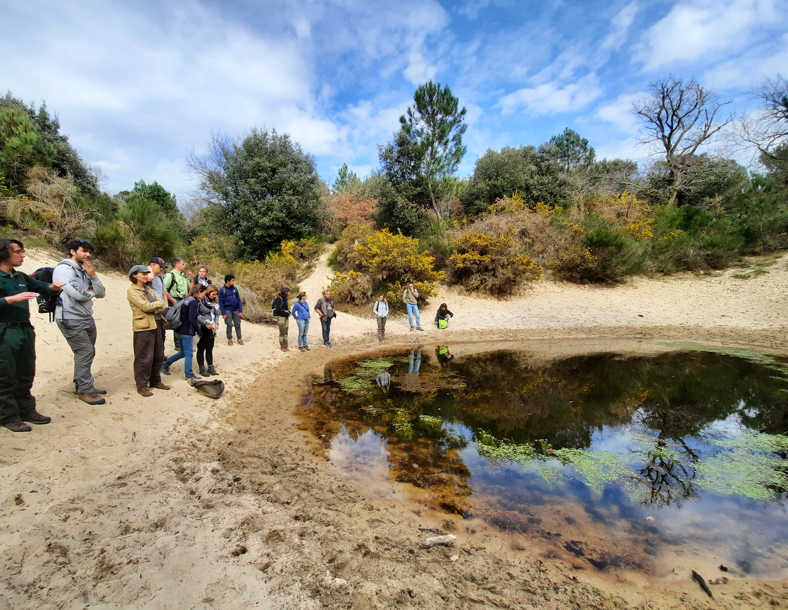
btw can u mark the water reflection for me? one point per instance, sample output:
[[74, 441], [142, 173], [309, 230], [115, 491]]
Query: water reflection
[[621, 458]]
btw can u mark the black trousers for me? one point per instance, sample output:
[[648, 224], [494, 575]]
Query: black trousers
[[205, 347], [17, 371]]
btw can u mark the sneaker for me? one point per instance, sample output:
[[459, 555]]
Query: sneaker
[[144, 392], [17, 426], [328, 345], [95, 391], [284, 349], [161, 386], [91, 399], [212, 371], [230, 342], [411, 328], [36, 418], [419, 328], [240, 341], [165, 370], [306, 347], [193, 378]]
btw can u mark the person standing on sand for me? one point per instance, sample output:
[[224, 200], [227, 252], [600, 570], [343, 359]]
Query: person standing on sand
[[302, 315], [74, 314], [156, 266], [280, 310], [381, 309], [18, 339], [178, 283], [208, 316], [411, 299], [148, 326], [189, 327], [325, 311], [232, 309]]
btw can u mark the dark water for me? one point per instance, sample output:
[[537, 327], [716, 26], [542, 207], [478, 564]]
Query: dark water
[[608, 462]]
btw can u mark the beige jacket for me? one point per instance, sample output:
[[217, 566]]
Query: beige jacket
[[142, 310], [410, 297]]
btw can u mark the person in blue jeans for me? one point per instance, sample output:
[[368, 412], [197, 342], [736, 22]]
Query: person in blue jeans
[[411, 299], [325, 311], [190, 326], [301, 314]]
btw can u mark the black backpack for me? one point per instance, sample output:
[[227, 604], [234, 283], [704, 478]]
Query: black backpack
[[46, 304]]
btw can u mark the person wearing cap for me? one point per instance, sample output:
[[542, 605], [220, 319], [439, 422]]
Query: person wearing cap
[[281, 311], [156, 266], [18, 339], [74, 314], [148, 325]]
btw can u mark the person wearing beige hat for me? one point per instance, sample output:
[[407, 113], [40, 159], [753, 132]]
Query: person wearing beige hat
[[148, 325]]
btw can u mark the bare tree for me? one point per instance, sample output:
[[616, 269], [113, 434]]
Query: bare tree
[[681, 116], [769, 129]]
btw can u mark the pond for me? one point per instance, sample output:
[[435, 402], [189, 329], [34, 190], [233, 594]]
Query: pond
[[608, 461]]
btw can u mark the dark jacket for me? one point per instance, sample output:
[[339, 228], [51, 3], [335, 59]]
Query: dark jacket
[[229, 299], [323, 306], [14, 283], [443, 314], [279, 306], [190, 324]]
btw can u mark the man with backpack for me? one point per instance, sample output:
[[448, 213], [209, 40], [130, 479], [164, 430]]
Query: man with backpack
[[74, 314], [281, 312], [178, 283], [325, 311], [231, 308], [17, 339]]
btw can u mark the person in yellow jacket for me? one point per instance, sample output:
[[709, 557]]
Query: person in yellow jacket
[[148, 325]]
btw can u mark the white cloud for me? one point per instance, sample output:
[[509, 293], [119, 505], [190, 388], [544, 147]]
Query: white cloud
[[620, 26], [619, 112], [550, 98], [749, 69], [707, 30]]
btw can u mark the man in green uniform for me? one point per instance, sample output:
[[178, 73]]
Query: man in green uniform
[[18, 339]]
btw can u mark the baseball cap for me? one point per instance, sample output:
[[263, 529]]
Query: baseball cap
[[159, 261], [138, 269]]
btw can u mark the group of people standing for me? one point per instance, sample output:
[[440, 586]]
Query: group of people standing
[[324, 308]]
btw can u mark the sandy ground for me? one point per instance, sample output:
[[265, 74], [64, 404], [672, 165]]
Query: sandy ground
[[179, 501]]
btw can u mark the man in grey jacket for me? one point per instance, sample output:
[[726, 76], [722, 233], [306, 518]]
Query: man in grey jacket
[[74, 314]]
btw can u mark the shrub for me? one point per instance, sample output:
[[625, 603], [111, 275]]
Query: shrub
[[492, 263], [49, 208], [379, 261]]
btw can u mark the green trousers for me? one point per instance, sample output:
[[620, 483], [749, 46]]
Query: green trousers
[[17, 371]]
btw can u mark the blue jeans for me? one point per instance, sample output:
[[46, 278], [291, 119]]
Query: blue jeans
[[303, 328], [187, 351], [413, 310], [414, 364], [326, 325]]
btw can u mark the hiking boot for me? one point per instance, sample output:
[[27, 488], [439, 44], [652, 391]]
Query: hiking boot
[[285, 349], [301, 349], [328, 345], [91, 399], [17, 426], [144, 392], [95, 391], [240, 341], [161, 386], [419, 328], [35, 418], [193, 378], [165, 370], [411, 329], [212, 371], [229, 342], [306, 347], [203, 371]]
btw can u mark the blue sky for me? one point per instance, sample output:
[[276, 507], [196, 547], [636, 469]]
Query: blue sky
[[138, 84]]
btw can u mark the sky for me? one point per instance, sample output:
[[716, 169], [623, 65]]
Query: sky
[[137, 85]]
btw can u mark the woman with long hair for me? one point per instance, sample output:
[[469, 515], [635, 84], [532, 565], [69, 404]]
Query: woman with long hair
[[189, 327], [301, 314], [208, 315]]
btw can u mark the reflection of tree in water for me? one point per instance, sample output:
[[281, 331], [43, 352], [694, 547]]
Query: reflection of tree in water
[[673, 398]]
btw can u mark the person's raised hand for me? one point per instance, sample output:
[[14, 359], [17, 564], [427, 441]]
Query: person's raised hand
[[89, 268]]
